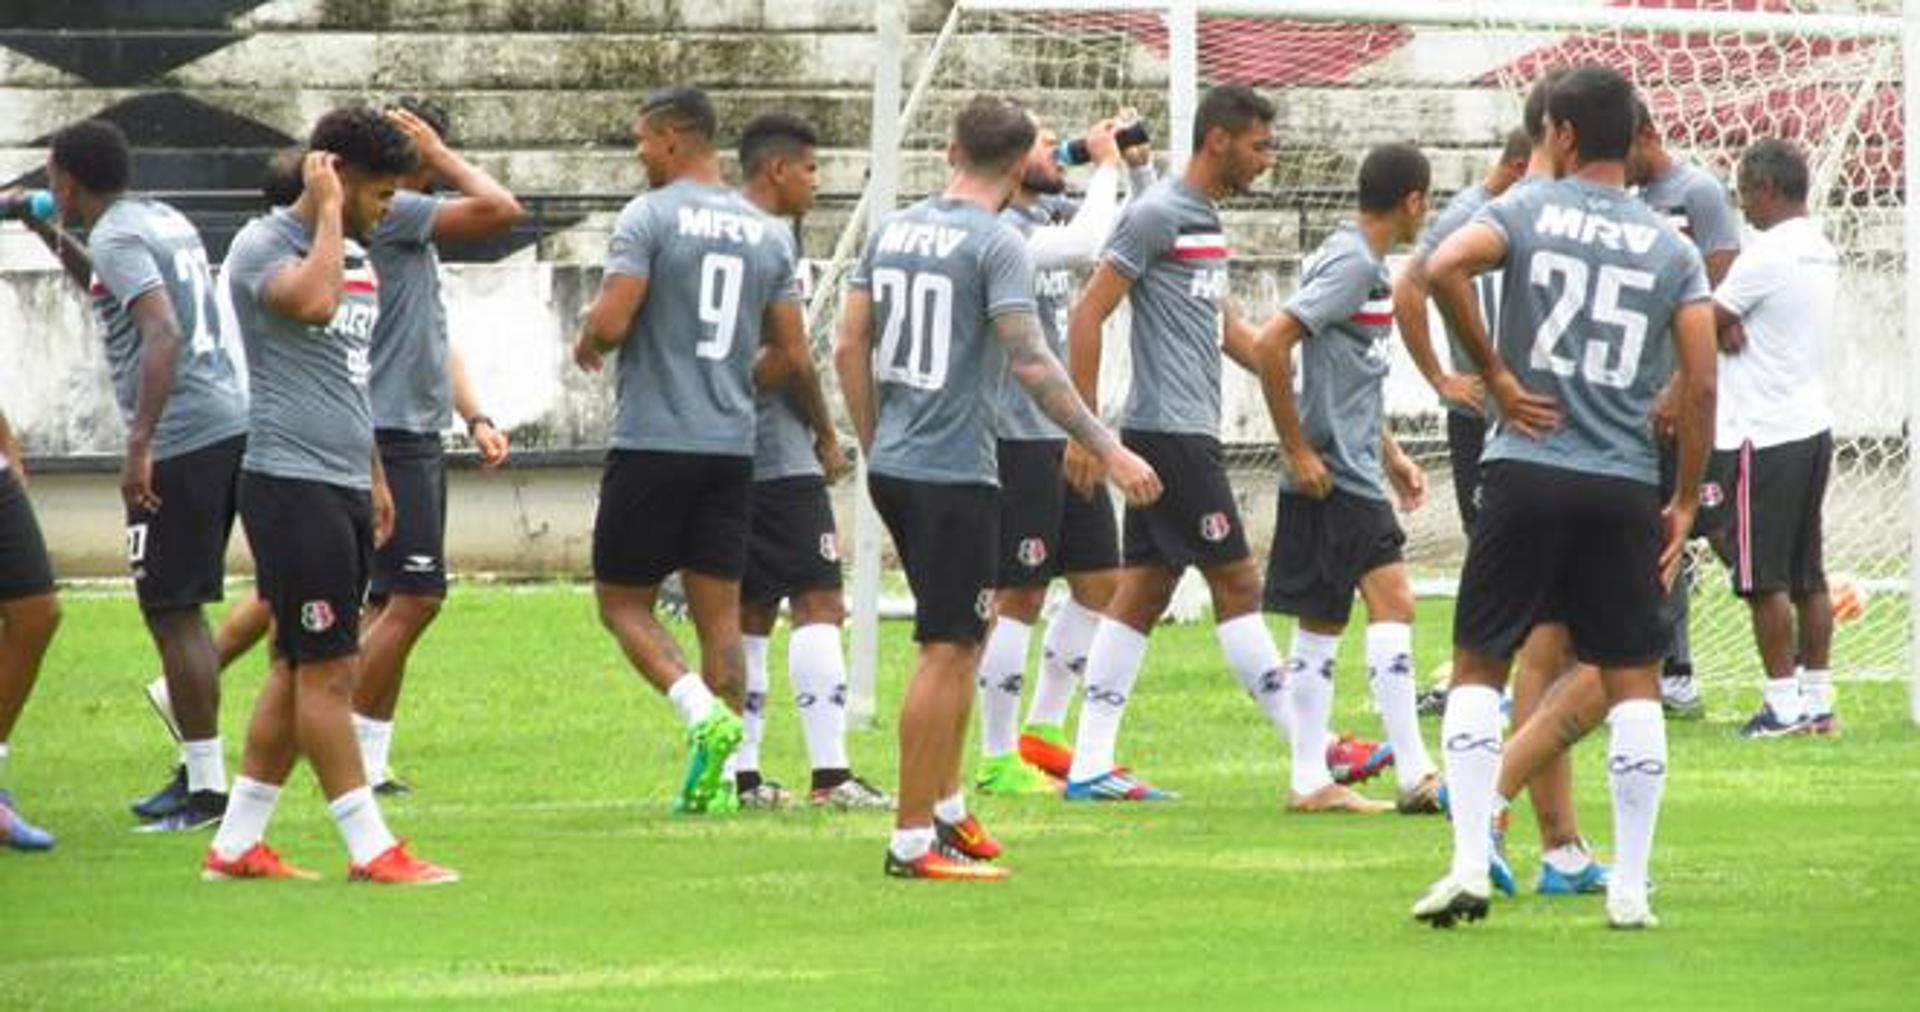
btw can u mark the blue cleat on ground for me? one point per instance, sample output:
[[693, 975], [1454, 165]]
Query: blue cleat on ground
[[17, 832], [1767, 724], [1588, 880], [1499, 869], [1116, 784]]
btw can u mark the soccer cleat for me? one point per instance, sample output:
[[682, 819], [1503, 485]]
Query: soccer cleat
[[1006, 776], [397, 866], [1767, 724], [967, 838], [391, 786], [764, 796], [162, 703], [203, 810], [1354, 760], [1680, 698], [1335, 798], [1045, 748], [1824, 725], [259, 861], [1629, 912], [165, 801], [18, 833], [939, 866], [851, 795], [1499, 869], [1450, 901], [1433, 702], [1422, 798], [1588, 880], [709, 744], [1117, 784]]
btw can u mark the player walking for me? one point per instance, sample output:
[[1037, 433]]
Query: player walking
[[29, 614]]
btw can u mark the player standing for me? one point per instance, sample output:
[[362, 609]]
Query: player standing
[[698, 283], [29, 614], [312, 495], [942, 292], [1602, 304]]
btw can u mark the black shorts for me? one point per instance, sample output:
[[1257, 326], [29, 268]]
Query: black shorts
[[24, 568], [1321, 550], [1047, 528], [946, 535], [1195, 522], [179, 554], [1557, 545], [664, 512], [414, 560], [1466, 438], [312, 548], [1762, 511], [793, 546]]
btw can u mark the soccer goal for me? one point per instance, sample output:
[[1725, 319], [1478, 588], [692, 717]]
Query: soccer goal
[[1449, 76]]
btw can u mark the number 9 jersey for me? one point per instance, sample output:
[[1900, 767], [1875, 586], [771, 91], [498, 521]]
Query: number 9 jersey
[[713, 263]]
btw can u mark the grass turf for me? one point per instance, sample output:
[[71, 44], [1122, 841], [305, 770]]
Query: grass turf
[[544, 772]]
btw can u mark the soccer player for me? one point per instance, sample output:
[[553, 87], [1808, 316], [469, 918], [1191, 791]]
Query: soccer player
[[186, 416], [312, 495], [941, 297], [1047, 529], [1602, 302], [29, 614], [793, 548], [698, 283], [1334, 529], [418, 385], [1695, 203], [1774, 439]]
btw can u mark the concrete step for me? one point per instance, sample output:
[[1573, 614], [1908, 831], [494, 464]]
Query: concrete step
[[582, 15]]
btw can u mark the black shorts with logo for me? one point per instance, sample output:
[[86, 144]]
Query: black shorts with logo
[[1047, 528], [662, 512], [413, 561], [946, 535], [1762, 511], [1321, 550], [312, 549], [179, 554], [24, 568], [1555, 545], [793, 546], [1195, 522]]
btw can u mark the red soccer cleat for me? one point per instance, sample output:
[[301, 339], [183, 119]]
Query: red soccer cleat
[[936, 866], [967, 838], [1046, 750], [259, 861], [1354, 760], [396, 866]]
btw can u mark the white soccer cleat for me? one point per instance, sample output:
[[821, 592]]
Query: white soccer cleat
[[1450, 901], [1629, 911], [162, 704]]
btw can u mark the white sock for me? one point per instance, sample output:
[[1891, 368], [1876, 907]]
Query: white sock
[[1783, 696], [376, 743], [753, 714], [249, 807], [206, 765], [1637, 770], [1248, 645], [1816, 687], [910, 844], [1568, 858], [691, 699], [951, 809], [1113, 665], [1310, 693], [1063, 658], [819, 676], [6, 761], [358, 816], [1390, 673], [1003, 670], [1470, 742]]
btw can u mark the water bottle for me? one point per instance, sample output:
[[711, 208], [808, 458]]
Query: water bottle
[[27, 204], [1074, 152]]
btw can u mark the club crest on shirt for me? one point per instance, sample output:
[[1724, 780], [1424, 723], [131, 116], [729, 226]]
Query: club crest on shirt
[[1031, 552], [1215, 526], [316, 616], [830, 547], [1711, 494]]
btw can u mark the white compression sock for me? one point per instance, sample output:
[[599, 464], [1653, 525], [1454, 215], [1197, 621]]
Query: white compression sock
[[249, 808], [1783, 695], [951, 810], [376, 744], [358, 816], [1063, 657], [753, 713], [1113, 665], [910, 844], [1390, 673], [1637, 771], [1310, 692], [819, 676], [1816, 687], [1470, 742], [206, 765], [691, 699], [1248, 646], [1003, 670]]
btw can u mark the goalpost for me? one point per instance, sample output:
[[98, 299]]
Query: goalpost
[[1448, 75]]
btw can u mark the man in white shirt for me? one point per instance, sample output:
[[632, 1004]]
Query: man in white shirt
[[1774, 439]]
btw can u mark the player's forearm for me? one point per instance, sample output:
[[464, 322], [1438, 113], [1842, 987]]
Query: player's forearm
[[1452, 293], [494, 208], [466, 400], [1238, 339], [311, 289], [71, 252], [1698, 399], [811, 393], [853, 365], [1083, 354], [1410, 314], [1046, 381], [1077, 243]]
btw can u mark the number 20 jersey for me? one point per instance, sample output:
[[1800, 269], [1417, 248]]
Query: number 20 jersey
[[1589, 288], [713, 263]]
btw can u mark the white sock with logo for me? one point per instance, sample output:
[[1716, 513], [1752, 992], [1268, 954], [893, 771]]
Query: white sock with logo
[[1003, 671], [753, 711], [1248, 645], [357, 815], [1470, 743], [819, 675], [376, 744], [1637, 772], [1309, 680], [249, 808], [1390, 674], [1063, 656], [1113, 665], [206, 765]]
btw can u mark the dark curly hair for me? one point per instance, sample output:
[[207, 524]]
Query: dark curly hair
[[366, 140], [94, 152]]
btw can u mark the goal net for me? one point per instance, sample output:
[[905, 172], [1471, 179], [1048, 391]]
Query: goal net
[[1450, 77]]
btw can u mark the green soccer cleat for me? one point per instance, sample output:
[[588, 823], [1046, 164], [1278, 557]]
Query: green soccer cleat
[[709, 744], [1006, 776]]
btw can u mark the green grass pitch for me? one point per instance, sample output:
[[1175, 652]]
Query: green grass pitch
[[1789, 872]]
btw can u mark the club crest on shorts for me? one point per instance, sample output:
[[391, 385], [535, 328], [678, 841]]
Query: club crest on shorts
[[1032, 552], [983, 604], [1215, 526], [830, 547], [316, 616], [1711, 494]]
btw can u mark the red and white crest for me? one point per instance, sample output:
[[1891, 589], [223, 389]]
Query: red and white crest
[[1032, 552], [316, 616], [830, 547], [1711, 495], [1215, 526]]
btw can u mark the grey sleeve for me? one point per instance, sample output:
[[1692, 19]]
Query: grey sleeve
[[1716, 227], [1446, 223], [1687, 280], [861, 277], [1331, 291], [1146, 231], [635, 237], [1007, 268], [788, 287], [409, 220], [252, 263], [124, 264]]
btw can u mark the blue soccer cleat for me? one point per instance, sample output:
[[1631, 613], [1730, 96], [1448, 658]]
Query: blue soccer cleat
[[17, 832], [1767, 724], [1116, 784], [1587, 881]]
